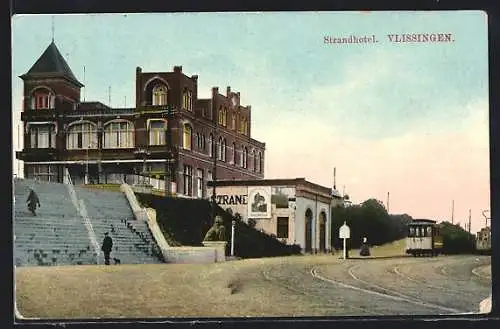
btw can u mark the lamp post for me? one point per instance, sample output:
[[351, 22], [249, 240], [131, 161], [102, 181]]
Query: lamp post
[[232, 237], [214, 171]]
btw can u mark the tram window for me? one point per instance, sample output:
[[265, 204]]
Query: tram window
[[417, 231], [429, 231], [411, 232]]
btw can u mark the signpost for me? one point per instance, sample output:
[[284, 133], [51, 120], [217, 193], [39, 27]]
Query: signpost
[[345, 233]]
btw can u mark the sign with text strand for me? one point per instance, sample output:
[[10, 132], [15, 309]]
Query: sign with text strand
[[344, 232]]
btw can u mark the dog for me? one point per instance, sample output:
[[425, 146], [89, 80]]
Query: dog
[[117, 261]]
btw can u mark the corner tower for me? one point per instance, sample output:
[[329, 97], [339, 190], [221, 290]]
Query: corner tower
[[50, 83]]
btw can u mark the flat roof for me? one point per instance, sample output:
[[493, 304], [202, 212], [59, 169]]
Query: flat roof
[[272, 182]]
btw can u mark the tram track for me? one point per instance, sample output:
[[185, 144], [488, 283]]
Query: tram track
[[330, 303], [395, 296]]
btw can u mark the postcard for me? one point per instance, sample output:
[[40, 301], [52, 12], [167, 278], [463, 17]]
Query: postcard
[[251, 164]]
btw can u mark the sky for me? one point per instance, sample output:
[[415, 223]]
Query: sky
[[409, 119]]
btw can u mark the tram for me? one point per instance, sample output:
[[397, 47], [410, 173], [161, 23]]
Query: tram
[[483, 241], [424, 238]]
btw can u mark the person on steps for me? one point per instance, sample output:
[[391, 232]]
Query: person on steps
[[32, 201], [107, 246]]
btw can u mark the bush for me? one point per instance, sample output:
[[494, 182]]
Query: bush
[[188, 220]]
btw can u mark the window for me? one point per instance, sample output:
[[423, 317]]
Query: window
[[233, 121], [245, 158], [211, 146], [219, 117], [188, 180], [224, 150], [219, 149], [199, 183], [282, 227], [233, 154], [224, 117], [203, 142], [209, 176], [42, 99], [81, 136], [187, 135], [160, 95], [42, 172], [240, 157], [119, 134], [252, 159], [42, 136], [429, 231], [411, 232], [157, 132], [187, 100]]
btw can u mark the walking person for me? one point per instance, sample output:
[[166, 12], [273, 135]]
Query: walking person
[[32, 201], [107, 246]]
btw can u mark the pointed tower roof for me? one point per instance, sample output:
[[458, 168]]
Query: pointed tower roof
[[51, 64]]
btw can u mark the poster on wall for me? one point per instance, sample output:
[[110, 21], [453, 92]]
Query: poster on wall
[[259, 202]]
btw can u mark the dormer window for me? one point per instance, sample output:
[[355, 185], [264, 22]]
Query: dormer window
[[159, 95], [42, 99]]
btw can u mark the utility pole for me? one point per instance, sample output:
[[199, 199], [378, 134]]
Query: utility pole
[[334, 178], [452, 210], [387, 202], [469, 219]]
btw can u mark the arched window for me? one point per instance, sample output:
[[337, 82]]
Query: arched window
[[233, 121], [254, 160], [82, 136], [245, 157], [211, 145], [219, 149], [119, 134], [187, 100], [42, 98], [233, 154], [159, 95], [221, 116], [203, 145], [157, 130], [187, 136], [223, 150], [224, 118]]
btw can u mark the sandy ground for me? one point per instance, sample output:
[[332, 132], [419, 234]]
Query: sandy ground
[[290, 286]]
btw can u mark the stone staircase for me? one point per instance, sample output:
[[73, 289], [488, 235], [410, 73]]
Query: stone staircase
[[109, 211], [57, 235]]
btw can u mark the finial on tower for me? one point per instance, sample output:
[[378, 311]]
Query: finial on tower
[[52, 28]]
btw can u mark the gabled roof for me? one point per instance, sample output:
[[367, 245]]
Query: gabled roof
[[51, 64]]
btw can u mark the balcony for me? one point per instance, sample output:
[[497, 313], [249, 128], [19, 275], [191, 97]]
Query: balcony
[[36, 115], [46, 154]]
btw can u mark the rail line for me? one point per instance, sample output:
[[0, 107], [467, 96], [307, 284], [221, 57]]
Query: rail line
[[414, 301], [331, 302]]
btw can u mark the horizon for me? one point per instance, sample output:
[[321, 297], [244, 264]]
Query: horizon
[[410, 119]]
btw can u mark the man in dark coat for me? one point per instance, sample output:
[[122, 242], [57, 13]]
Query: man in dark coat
[[32, 201], [107, 246]]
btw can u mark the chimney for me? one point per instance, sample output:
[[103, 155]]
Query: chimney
[[228, 91], [215, 91], [178, 69], [194, 77], [138, 70], [238, 93]]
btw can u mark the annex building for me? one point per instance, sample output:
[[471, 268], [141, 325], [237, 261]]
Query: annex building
[[294, 210], [170, 134]]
